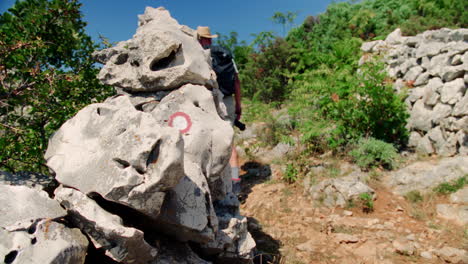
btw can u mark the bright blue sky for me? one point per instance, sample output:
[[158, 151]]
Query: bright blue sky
[[117, 19]]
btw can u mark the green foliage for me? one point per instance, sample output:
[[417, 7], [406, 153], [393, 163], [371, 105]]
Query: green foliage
[[414, 196], [290, 174], [46, 75], [451, 187], [366, 202], [343, 104], [284, 19], [265, 76], [240, 50], [370, 152]]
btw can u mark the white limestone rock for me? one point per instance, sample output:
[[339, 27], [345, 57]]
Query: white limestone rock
[[453, 72], [120, 153], [21, 206], [462, 139], [414, 139], [431, 96], [106, 230], [337, 192], [416, 93], [438, 64], [439, 112], [420, 117], [461, 108], [460, 197], [413, 73], [425, 175], [44, 242], [453, 91], [460, 34], [455, 212], [28, 233], [454, 124], [429, 49], [162, 55], [395, 37], [422, 79], [425, 146]]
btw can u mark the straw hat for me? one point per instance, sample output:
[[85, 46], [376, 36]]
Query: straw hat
[[205, 32]]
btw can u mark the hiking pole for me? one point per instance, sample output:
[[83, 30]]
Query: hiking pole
[[239, 124]]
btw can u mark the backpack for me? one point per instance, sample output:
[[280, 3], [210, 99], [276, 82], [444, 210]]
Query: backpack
[[223, 65]]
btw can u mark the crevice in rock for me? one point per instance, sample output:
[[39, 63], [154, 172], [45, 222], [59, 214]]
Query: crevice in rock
[[33, 241], [140, 170], [121, 163], [121, 59], [167, 62], [10, 257], [130, 217], [154, 154], [95, 255], [135, 63]]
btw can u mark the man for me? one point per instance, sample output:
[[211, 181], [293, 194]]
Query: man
[[228, 88]]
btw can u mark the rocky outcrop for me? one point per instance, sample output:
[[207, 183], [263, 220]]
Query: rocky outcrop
[[162, 55], [457, 210], [31, 232], [425, 175], [432, 68], [144, 174]]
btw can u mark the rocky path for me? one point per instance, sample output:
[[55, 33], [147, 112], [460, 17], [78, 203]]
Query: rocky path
[[288, 228]]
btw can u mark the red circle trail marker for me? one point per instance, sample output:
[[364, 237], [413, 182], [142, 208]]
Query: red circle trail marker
[[181, 121]]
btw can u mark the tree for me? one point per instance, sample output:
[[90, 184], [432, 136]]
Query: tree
[[46, 76], [284, 19]]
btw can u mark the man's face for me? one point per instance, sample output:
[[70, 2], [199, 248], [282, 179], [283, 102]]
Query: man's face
[[205, 42]]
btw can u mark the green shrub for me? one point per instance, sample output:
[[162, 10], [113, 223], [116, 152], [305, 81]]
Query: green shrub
[[371, 152], [366, 202], [414, 196], [451, 187], [290, 174]]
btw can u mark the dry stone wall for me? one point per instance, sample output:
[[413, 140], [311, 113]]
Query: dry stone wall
[[432, 68], [143, 177]]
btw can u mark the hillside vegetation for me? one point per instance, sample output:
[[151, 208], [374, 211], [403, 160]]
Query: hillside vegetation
[[333, 103], [47, 74]]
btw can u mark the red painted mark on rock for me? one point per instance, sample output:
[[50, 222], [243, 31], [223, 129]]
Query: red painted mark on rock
[[181, 121]]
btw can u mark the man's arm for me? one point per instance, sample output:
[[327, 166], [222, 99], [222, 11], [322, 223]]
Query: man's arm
[[237, 97]]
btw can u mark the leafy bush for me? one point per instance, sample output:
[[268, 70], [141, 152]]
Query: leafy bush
[[371, 152], [451, 187], [264, 77], [290, 174], [46, 76], [366, 202], [414, 196]]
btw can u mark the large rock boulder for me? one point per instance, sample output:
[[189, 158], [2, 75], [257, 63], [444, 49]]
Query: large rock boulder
[[29, 233], [120, 153], [148, 168], [425, 175], [162, 55], [107, 231]]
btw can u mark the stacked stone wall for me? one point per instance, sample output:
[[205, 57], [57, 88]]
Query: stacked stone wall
[[432, 68]]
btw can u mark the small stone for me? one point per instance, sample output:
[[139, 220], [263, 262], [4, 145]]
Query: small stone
[[411, 237], [308, 246], [426, 255], [452, 255], [347, 213], [346, 238], [403, 247]]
